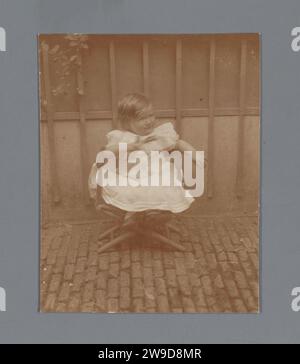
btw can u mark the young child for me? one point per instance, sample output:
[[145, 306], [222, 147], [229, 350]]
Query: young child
[[140, 131]]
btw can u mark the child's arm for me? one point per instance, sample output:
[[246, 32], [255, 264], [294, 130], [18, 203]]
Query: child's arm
[[165, 137], [182, 146], [137, 145]]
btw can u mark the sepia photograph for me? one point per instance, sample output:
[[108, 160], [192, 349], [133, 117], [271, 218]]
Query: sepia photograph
[[149, 173]]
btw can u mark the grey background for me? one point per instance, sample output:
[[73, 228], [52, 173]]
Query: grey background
[[19, 166]]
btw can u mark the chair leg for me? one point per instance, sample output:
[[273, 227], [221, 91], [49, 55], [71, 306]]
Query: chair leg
[[116, 241], [161, 238], [108, 232], [112, 214], [172, 227]]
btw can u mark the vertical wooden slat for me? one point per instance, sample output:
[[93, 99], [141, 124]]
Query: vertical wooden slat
[[178, 84], [112, 64], [50, 119], [146, 83], [241, 126], [211, 116], [82, 128]]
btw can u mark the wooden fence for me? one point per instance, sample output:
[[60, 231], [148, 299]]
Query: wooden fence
[[208, 85]]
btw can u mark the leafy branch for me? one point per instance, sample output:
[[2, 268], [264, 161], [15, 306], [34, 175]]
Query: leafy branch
[[68, 59]]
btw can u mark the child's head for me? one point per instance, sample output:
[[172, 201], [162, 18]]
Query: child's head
[[135, 114]]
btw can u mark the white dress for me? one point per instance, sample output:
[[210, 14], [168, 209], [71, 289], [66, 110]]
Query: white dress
[[143, 197]]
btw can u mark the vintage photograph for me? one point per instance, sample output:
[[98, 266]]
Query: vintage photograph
[[149, 173]]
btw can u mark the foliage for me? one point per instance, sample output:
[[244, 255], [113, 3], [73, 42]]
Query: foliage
[[67, 58]]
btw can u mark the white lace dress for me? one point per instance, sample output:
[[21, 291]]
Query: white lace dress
[[145, 196]]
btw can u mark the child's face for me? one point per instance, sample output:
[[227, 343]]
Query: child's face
[[144, 125]]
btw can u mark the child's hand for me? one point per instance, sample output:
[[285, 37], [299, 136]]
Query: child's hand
[[149, 139], [139, 143]]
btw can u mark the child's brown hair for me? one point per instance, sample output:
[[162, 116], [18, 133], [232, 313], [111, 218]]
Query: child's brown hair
[[133, 106]]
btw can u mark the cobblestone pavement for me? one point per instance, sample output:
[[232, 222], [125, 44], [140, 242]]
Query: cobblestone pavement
[[218, 272]]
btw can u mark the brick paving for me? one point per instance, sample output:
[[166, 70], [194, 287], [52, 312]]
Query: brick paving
[[217, 272]]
